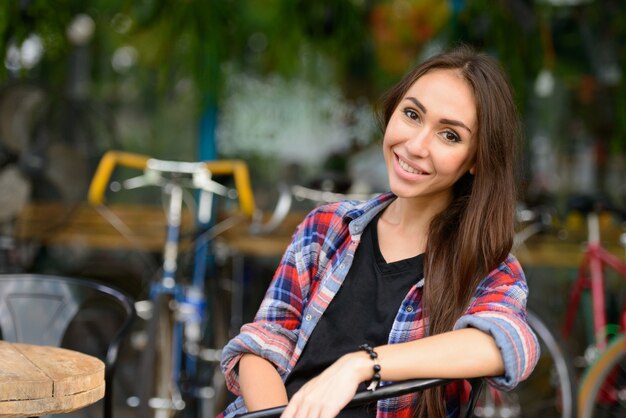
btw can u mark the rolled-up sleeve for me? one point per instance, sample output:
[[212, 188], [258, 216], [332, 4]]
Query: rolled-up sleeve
[[273, 334], [499, 309], [265, 339]]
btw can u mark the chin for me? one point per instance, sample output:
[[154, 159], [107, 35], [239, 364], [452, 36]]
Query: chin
[[404, 192]]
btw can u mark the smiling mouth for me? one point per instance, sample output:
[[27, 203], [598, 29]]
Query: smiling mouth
[[407, 167]]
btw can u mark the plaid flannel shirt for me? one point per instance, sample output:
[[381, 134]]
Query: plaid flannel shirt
[[312, 271]]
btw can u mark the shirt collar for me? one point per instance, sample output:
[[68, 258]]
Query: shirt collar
[[362, 214]]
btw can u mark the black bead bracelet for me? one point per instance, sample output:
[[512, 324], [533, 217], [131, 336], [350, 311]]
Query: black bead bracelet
[[374, 356]]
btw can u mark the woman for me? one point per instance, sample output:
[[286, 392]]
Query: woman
[[352, 274]]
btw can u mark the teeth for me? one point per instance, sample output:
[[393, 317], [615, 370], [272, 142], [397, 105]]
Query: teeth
[[407, 167]]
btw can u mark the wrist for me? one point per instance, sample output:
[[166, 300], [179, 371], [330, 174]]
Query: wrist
[[373, 355], [361, 364]]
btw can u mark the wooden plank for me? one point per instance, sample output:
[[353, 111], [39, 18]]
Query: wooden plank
[[240, 240], [71, 372], [549, 251], [83, 225], [71, 380], [56, 405], [19, 378]]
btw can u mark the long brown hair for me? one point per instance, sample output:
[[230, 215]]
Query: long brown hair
[[475, 233]]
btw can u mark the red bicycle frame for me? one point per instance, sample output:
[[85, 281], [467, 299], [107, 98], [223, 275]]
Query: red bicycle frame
[[591, 276]]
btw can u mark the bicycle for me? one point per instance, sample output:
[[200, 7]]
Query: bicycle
[[551, 390], [603, 385], [177, 309]]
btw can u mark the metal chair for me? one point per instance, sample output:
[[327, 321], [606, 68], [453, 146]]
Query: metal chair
[[388, 391], [38, 309]]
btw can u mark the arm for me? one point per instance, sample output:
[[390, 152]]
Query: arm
[[492, 338], [499, 309], [273, 334], [462, 353], [260, 383], [455, 354]]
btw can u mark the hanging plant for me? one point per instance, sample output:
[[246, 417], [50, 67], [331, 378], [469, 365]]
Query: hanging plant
[[401, 28]]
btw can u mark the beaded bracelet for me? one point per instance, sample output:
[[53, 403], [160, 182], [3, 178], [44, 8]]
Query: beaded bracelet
[[376, 378]]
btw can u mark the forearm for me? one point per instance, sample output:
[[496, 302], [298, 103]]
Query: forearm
[[463, 353], [260, 383]]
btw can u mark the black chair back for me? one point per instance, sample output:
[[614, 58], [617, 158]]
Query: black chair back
[[38, 309]]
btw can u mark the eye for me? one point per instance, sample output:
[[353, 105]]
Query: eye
[[411, 114], [450, 136]]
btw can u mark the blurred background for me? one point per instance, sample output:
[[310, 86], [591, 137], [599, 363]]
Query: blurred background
[[290, 87]]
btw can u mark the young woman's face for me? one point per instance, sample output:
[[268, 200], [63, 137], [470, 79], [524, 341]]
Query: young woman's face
[[429, 142]]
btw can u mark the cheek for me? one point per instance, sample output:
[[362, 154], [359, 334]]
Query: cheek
[[455, 164], [387, 150], [387, 142], [391, 135]]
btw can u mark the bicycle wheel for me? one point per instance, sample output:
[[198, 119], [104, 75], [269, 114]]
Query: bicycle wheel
[[550, 390], [603, 387], [156, 392]]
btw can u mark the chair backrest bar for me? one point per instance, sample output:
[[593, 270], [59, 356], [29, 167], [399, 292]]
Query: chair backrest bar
[[387, 391]]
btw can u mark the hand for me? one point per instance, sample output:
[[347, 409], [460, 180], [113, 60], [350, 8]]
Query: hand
[[327, 394]]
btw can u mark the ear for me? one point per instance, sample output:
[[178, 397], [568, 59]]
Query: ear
[[472, 170]]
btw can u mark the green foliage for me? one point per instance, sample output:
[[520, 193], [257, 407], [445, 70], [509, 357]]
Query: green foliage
[[198, 39], [47, 19], [512, 39], [198, 36]]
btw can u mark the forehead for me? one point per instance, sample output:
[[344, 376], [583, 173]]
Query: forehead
[[447, 94]]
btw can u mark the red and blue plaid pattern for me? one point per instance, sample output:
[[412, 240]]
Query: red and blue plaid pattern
[[312, 271]]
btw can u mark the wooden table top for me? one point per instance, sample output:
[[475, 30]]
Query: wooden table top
[[39, 380]]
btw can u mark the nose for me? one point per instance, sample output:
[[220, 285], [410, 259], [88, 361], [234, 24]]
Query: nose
[[419, 142]]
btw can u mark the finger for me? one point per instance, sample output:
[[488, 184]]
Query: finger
[[307, 406], [294, 407], [307, 411], [331, 410], [289, 411], [328, 412]]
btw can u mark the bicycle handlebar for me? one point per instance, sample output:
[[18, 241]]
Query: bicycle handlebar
[[111, 159], [383, 392], [324, 196], [587, 204]]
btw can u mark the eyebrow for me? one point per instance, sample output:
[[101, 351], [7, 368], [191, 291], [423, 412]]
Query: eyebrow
[[416, 103], [444, 121]]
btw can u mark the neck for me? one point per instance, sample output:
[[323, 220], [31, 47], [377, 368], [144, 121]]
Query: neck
[[403, 228], [413, 214]]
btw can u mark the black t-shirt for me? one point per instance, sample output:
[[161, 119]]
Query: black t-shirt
[[362, 311]]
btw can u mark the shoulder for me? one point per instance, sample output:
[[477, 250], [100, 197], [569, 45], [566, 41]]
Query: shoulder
[[508, 273], [339, 214], [511, 267]]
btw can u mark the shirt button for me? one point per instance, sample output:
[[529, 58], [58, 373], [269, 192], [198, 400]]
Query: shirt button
[[308, 317], [342, 266], [409, 309]]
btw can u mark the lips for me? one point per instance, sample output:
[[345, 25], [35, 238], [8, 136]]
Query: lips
[[409, 168]]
